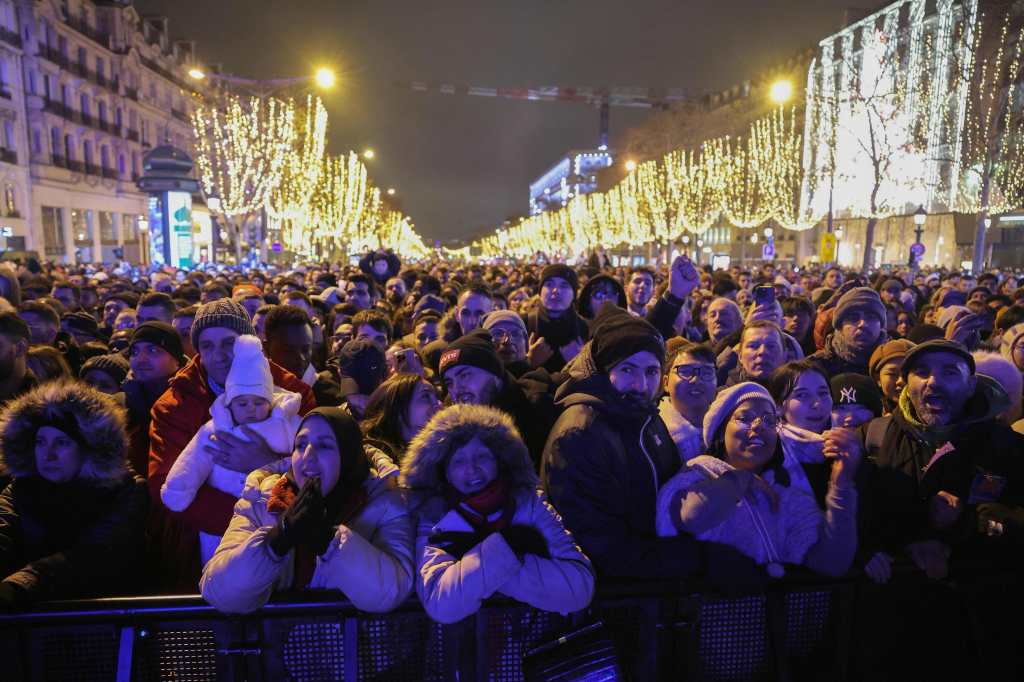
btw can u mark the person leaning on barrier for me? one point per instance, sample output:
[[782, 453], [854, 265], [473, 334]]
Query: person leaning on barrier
[[328, 522], [72, 520], [484, 527]]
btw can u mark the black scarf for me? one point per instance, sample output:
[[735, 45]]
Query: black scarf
[[559, 331]]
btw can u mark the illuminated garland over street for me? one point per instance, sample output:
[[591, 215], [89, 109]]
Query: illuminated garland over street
[[746, 181]]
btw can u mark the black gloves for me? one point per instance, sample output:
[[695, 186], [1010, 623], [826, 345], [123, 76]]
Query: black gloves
[[302, 523], [453, 542], [526, 540]]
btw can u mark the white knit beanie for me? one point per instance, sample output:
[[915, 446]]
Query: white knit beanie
[[726, 402], [250, 371]]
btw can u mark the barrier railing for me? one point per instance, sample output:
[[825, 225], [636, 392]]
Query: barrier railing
[[798, 629]]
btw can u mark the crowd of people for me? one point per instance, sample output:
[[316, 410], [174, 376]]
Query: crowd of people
[[529, 430]]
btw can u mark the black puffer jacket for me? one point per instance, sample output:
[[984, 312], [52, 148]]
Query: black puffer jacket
[[75, 539], [602, 467], [983, 461]]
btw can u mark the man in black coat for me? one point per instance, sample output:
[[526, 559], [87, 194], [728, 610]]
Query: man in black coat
[[610, 452]]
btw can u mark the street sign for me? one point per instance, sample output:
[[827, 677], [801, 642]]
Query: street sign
[[276, 247], [827, 248], [916, 250]]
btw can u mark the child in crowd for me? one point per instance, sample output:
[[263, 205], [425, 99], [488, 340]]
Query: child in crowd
[[250, 404], [856, 400]]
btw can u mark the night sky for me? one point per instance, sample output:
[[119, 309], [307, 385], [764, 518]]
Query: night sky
[[463, 164]]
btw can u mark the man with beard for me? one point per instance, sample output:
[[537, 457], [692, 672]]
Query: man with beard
[[15, 376], [690, 388], [472, 373], [857, 324], [610, 452], [945, 491], [509, 335], [395, 291]]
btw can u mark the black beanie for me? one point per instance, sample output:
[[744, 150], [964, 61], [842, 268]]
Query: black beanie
[[561, 270], [856, 389], [113, 364], [160, 334], [475, 349], [618, 334]]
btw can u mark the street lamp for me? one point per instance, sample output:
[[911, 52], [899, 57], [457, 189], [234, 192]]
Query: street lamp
[[391, 191], [196, 74], [630, 166], [920, 215], [369, 154], [781, 91], [324, 78]]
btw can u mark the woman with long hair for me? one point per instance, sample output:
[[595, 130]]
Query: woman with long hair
[[396, 412]]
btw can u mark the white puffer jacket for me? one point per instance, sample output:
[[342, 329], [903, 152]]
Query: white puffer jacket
[[370, 559]]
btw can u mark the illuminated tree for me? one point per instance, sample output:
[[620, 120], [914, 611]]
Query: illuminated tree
[[242, 148], [288, 204]]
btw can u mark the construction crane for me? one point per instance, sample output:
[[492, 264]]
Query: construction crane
[[601, 98]]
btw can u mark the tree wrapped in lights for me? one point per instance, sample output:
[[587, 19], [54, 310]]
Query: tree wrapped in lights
[[992, 149], [289, 203], [242, 148]]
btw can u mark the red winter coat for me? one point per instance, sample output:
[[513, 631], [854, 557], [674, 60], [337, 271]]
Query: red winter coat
[[176, 417]]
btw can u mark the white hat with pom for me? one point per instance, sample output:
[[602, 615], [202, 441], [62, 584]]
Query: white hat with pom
[[250, 371]]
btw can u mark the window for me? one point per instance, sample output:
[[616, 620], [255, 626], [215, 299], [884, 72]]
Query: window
[[56, 148], [37, 141], [120, 164], [10, 205], [135, 163], [62, 46], [53, 231], [65, 95], [69, 148], [83, 58], [101, 67], [101, 111], [86, 105], [145, 131], [3, 73], [104, 157], [81, 230], [107, 233], [8, 141], [118, 117], [129, 228], [87, 152]]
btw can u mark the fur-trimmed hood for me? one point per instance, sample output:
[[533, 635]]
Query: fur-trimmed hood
[[432, 446], [100, 420]]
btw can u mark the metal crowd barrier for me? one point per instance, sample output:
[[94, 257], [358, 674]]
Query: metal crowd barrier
[[660, 632]]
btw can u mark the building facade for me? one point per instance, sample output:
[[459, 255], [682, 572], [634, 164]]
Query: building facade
[[87, 87], [575, 174]]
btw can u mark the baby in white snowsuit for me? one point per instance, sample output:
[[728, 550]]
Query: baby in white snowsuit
[[250, 402]]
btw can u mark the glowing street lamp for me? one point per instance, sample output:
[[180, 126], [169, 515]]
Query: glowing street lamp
[[391, 191], [369, 154], [324, 78], [781, 91], [196, 74], [630, 166]]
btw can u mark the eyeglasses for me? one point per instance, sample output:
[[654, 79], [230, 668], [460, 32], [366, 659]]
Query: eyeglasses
[[691, 372], [747, 421], [499, 335]]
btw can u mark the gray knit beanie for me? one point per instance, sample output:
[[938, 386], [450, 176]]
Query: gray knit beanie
[[726, 402], [862, 298], [224, 312]]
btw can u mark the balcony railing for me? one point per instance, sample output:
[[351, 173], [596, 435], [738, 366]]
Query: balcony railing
[[57, 108], [88, 31], [10, 37], [79, 69], [53, 55], [91, 169], [110, 173], [59, 161], [103, 125], [133, 135], [8, 156], [86, 119]]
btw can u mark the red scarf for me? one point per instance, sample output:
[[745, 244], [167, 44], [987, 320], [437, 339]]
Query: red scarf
[[481, 510], [340, 510]]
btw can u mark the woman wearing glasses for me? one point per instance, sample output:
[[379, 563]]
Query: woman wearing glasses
[[749, 493]]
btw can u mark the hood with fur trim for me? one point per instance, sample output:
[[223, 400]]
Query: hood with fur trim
[[422, 468], [100, 420]]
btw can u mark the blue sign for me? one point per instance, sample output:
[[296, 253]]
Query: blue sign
[[768, 250], [276, 247]]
